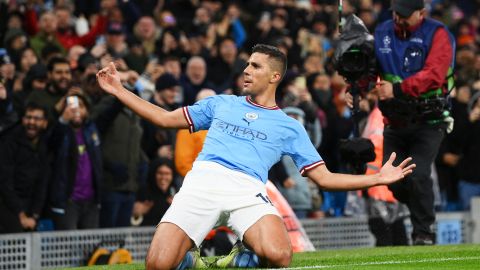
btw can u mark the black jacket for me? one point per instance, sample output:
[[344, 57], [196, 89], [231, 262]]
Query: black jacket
[[24, 172]]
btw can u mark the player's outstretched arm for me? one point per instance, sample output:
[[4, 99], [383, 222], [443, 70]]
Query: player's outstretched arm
[[109, 80], [336, 181]]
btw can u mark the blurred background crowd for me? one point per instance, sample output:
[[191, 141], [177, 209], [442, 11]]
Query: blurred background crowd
[[72, 157]]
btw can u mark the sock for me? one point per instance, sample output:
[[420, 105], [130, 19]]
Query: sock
[[187, 262], [246, 259]]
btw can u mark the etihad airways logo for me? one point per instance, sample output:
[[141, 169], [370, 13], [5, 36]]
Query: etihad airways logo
[[240, 132]]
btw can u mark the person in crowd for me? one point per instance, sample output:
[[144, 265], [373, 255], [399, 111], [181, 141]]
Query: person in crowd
[[453, 144], [189, 145], [153, 201], [54, 28], [468, 144], [386, 216], [115, 40], [146, 32], [157, 141], [247, 135], [136, 58], [173, 66], [24, 167], [225, 65], [15, 41], [415, 56], [58, 85], [296, 189], [75, 186], [194, 80], [124, 162], [8, 116]]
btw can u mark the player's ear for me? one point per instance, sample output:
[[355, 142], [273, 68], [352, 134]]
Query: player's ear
[[275, 77]]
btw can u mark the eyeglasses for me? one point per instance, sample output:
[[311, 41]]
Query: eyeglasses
[[35, 118]]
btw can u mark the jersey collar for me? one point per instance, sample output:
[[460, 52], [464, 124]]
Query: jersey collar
[[249, 100]]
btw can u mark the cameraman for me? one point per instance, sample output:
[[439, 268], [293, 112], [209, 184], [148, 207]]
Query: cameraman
[[415, 56]]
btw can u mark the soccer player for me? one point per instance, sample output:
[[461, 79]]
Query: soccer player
[[246, 136]]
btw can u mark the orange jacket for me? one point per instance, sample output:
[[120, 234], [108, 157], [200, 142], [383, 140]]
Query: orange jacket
[[187, 148], [374, 131]]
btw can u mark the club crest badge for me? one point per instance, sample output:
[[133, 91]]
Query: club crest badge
[[250, 117]]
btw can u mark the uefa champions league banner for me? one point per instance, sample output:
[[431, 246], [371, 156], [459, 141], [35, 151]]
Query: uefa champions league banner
[[296, 232]]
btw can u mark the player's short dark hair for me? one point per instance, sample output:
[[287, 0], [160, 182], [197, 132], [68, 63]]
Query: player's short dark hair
[[275, 53]]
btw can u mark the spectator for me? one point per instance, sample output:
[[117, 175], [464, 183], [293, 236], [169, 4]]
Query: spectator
[[297, 193], [28, 58], [172, 42], [124, 163], [7, 69], [15, 42], [116, 44], [25, 172], [8, 116], [154, 200], [451, 149], [159, 141], [47, 28], [146, 31], [74, 198], [173, 66], [59, 83], [188, 145], [194, 80], [225, 65], [386, 216], [469, 145], [136, 57], [55, 28], [35, 80]]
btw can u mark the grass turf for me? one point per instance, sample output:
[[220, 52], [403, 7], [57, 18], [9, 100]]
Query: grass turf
[[458, 257]]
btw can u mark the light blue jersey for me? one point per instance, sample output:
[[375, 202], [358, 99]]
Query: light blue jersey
[[248, 137]]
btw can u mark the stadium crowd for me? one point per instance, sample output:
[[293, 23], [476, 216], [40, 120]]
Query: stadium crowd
[[72, 157]]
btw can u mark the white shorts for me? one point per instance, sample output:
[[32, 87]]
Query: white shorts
[[210, 190]]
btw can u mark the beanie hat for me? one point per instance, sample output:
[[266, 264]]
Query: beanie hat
[[165, 81]]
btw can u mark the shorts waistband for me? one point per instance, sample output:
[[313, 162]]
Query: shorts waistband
[[210, 165]]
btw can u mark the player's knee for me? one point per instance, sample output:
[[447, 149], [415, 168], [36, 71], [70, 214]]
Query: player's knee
[[154, 262], [280, 257]]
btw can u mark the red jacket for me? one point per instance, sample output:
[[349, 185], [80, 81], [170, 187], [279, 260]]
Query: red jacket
[[68, 38]]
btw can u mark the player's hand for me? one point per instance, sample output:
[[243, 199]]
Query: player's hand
[[109, 79], [389, 173]]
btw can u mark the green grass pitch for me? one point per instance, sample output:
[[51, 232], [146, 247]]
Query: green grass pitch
[[458, 257]]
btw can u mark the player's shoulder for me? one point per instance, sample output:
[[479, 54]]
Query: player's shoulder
[[225, 98], [288, 120]]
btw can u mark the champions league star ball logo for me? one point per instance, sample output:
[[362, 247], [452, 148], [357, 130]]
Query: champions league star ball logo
[[386, 45], [250, 117], [386, 41]]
